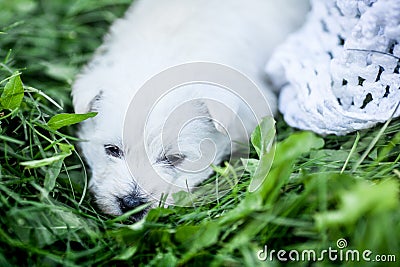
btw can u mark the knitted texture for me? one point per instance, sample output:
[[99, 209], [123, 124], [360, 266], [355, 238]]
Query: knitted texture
[[340, 72]]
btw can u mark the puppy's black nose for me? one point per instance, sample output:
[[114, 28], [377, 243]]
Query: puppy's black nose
[[129, 202]]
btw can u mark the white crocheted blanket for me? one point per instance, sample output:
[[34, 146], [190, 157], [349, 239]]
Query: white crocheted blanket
[[340, 72]]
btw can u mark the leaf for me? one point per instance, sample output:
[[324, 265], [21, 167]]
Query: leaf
[[385, 150], [296, 145], [164, 259], [44, 162], [66, 148], [66, 151], [287, 151], [286, 154], [199, 236], [250, 165], [126, 254], [52, 173], [65, 119], [13, 93], [263, 139], [360, 202], [263, 136], [156, 213]]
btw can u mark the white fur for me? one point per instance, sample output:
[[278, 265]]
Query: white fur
[[155, 35]]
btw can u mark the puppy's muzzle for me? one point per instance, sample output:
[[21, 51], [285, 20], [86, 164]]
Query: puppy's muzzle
[[130, 202]]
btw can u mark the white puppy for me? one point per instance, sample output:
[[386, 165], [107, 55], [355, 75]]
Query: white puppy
[[153, 36]]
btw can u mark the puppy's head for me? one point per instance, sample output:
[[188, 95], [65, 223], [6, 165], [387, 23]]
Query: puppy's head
[[181, 142]]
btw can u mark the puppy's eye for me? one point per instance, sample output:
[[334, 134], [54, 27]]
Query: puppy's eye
[[174, 159], [113, 151]]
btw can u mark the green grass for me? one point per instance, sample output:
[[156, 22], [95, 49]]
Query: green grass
[[318, 190]]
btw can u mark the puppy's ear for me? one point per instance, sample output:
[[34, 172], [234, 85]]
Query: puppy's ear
[[86, 101], [215, 116], [193, 111], [231, 119], [94, 103]]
